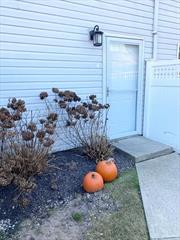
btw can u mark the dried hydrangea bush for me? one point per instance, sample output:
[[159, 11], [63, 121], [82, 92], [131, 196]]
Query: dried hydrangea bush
[[26, 142], [83, 123]]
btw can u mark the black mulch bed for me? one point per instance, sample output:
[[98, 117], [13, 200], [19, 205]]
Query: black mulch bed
[[54, 187]]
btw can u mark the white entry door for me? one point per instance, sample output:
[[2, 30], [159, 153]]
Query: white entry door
[[124, 75]]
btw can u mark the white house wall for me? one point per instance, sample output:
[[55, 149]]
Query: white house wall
[[46, 43], [168, 29]]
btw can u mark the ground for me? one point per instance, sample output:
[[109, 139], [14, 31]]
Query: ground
[[128, 222], [68, 213], [112, 214]]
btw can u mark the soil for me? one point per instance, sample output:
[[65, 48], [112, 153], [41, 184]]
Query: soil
[[61, 225], [59, 186]]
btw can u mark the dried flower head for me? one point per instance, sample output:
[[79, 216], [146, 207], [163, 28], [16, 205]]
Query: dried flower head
[[81, 109], [107, 106], [17, 116], [18, 105], [41, 134], [69, 93], [94, 101], [85, 115], [52, 117], [27, 135], [62, 104], [72, 111], [48, 142], [77, 99], [32, 126], [68, 123], [61, 94], [50, 131], [77, 116], [4, 114], [69, 96], [92, 97], [93, 107], [7, 124], [21, 105], [49, 125], [55, 90], [14, 100], [42, 121], [43, 95], [85, 104], [101, 106]]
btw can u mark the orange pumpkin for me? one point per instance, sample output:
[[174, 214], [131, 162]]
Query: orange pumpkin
[[107, 169], [93, 182]]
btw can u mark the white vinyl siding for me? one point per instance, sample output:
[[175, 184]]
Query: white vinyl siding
[[168, 29], [46, 43]]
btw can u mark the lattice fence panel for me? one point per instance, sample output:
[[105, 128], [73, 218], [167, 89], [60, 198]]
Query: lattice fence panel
[[162, 102]]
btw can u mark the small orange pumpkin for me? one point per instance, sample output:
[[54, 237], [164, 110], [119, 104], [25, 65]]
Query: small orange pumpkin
[[107, 169], [93, 182]]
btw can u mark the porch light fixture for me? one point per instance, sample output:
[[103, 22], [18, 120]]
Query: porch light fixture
[[96, 36]]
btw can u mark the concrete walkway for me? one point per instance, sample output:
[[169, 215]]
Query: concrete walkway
[[158, 169], [160, 188], [141, 148]]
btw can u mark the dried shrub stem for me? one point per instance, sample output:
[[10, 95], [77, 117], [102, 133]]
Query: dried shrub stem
[[82, 123], [26, 143]]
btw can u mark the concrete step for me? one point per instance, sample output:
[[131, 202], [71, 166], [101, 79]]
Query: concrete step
[[159, 180], [141, 148]]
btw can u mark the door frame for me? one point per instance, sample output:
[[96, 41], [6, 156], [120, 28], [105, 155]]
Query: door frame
[[140, 102]]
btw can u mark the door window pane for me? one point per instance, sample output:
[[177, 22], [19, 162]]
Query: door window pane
[[122, 81]]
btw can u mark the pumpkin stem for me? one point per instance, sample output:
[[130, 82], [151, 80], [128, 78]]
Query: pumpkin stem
[[110, 160], [93, 175]]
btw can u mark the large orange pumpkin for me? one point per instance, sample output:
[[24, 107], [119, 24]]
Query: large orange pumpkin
[[107, 169], [93, 182]]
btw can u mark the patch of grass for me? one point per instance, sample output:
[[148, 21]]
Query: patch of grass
[[128, 223], [2, 236], [77, 217], [51, 211]]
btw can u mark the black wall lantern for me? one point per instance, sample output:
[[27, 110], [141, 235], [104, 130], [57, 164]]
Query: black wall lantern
[[96, 36]]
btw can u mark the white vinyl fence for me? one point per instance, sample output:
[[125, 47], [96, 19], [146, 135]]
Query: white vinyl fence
[[162, 102]]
